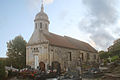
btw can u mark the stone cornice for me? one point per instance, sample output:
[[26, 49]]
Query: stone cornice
[[42, 20], [37, 43]]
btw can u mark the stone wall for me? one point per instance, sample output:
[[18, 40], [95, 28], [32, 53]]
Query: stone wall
[[42, 52], [68, 58]]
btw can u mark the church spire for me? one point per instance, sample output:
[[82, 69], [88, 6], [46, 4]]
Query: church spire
[[42, 20], [42, 7]]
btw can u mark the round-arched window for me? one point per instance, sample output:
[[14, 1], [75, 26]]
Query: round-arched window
[[40, 25], [46, 26]]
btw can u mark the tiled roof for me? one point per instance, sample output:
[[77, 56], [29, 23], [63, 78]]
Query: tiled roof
[[68, 42], [58, 40], [80, 44]]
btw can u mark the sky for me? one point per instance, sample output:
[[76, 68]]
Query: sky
[[96, 22]]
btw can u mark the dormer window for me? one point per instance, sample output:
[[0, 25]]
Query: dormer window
[[40, 25]]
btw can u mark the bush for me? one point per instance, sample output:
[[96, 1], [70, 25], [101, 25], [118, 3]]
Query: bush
[[114, 58], [2, 70]]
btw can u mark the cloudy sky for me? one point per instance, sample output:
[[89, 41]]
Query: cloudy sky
[[94, 21]]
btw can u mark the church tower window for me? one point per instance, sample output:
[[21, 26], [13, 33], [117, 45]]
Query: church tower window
[[35, 25], [40, 25], [46, 26]]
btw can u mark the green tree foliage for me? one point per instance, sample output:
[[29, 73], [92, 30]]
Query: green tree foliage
[[115, 48], [113, 52], [2, 70], [103, 54], [16, 52]]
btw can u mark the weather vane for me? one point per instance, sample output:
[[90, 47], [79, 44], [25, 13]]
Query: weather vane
[[42, 8]]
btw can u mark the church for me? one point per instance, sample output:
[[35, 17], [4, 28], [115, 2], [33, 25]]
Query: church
[[45, 48]]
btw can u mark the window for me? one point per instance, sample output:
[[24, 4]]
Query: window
[[70, 56], [35, 50], [52, 50], [82, 56], [46, 26], [35, 25], [40, 25], [94, 56], [88, 56]]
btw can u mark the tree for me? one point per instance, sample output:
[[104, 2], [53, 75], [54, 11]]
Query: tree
[[114, 50], [16, 52], [2, 70], [103, 54]]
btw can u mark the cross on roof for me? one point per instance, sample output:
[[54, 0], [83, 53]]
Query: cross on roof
[[42, 8], [42, 2]]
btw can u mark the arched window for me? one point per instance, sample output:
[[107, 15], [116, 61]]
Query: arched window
[[35, 25], [46, 26], [40, 25], [35, 50]]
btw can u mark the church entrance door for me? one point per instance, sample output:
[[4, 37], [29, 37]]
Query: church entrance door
[[42, 66]]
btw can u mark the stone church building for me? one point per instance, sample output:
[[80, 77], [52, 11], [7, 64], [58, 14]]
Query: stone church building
[[45, 47]]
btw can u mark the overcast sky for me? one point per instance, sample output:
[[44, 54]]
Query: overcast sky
[[94, 21]]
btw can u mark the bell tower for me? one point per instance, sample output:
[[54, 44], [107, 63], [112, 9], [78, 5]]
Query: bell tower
[[42, 20]]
